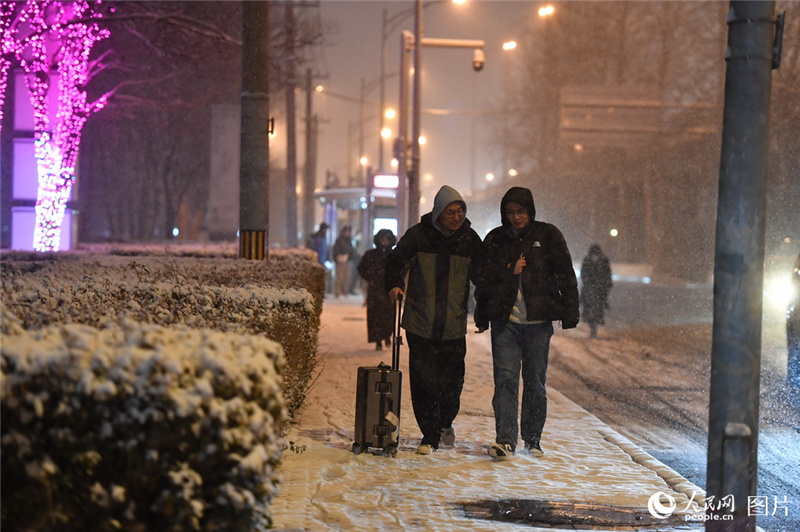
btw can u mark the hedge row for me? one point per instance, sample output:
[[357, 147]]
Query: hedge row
[[138, 427], [230, 295], [136, 392]]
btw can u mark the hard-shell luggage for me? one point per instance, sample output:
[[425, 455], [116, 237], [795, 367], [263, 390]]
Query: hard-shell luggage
[[378, 394]]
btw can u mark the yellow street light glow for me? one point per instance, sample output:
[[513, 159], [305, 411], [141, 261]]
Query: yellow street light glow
[[395, 163], [546, 11], [513, 173], [422, 139], [427, 177], [490, 177], [386, 133], [459, 1], [390, 113], [319, 88], [509, 45], [613, 232], [363, 161]]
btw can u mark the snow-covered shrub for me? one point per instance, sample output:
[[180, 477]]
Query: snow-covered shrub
[[232, 295], [138, 427]]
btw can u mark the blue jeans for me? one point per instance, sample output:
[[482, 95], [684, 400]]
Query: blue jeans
[[515, 348]]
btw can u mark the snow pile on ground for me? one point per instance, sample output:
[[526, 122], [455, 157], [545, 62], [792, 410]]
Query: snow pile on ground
[[147, 426]]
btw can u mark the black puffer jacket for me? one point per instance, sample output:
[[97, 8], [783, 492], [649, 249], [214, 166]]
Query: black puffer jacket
[[549, 285]]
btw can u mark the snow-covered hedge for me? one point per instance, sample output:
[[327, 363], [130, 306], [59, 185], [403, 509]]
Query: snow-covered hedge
[[224, 294], [138, 426]]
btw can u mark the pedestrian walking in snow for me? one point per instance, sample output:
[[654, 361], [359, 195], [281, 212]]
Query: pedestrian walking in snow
[[595, 286], [441, 254], [528, 283], [319, 242], [380, 309], [343, 254]]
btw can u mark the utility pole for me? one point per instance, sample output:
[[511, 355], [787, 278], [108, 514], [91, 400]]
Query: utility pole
[[739, 267], [310, 167], [291, 129], [254, 163]]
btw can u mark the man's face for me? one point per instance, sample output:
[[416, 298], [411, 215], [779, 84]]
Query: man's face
[[452, 216], [517, 215]]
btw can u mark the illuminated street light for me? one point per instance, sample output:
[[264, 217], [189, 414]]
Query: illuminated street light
[[613, 232], [390, 113], [386, 133], [509, 45], [363, 161], [489, 177], [546, 11], [422, 139]]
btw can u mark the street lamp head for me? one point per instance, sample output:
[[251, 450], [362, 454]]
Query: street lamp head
[[478, 59]]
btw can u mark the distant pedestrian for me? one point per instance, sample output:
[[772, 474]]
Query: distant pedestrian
[[319, 243], [441, 254], [380, 309], [528, 283], [595, 287], [343, 255]]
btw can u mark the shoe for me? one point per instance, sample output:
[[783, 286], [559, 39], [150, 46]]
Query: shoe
[[535, 448], [425, 448], [501, 450], [448, 437]]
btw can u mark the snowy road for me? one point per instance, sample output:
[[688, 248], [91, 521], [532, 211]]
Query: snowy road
[[650, 382]]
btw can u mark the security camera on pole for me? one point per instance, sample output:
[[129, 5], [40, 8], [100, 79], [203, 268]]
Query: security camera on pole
[[478, 61]]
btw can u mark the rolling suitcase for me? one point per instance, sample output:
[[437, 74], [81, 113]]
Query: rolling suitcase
[[378, 400]]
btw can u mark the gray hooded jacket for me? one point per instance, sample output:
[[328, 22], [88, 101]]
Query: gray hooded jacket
[[439, 272]]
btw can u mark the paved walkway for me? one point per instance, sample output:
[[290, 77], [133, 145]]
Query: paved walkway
[[327, 487]]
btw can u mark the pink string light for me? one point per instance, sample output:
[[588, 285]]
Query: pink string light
[[50, 37]]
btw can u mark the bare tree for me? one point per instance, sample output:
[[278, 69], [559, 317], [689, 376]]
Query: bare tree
[[656, 183], [166, 63]]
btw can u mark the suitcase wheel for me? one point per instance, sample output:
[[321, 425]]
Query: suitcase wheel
[[357, 448]]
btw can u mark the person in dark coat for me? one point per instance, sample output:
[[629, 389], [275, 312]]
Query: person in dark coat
[[595, 286], [343, 254], [319, 243], [528, 283], [441, 255], [380, 309]]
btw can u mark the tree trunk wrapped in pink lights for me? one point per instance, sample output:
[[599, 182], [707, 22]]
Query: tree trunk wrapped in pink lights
[[52, 41]]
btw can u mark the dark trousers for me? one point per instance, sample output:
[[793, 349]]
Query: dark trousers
[[436, 370]]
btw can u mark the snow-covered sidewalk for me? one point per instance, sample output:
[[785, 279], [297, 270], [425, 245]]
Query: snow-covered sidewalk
[[327, 487]]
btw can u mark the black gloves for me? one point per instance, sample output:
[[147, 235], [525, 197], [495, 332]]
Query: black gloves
[[569, 323]]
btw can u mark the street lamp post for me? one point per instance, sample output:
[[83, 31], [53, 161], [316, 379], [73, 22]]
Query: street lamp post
[[419, 42]]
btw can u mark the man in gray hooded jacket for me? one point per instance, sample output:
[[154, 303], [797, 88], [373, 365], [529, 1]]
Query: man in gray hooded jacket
[[528, 283], [441, 255]]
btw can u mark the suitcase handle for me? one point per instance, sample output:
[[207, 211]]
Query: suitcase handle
[[397, 340]]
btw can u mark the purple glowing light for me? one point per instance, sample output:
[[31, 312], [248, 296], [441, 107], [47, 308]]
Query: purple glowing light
[[48, 38]]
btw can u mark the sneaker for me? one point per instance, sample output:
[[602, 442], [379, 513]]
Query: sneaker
[[425, 448], [501, 450], [534, 448], [448, 437]]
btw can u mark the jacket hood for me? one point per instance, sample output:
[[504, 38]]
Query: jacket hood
[[520, 195], [445, 197]]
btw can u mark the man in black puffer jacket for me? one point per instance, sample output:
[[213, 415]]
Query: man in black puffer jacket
[[528, 283], [441, 254]]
